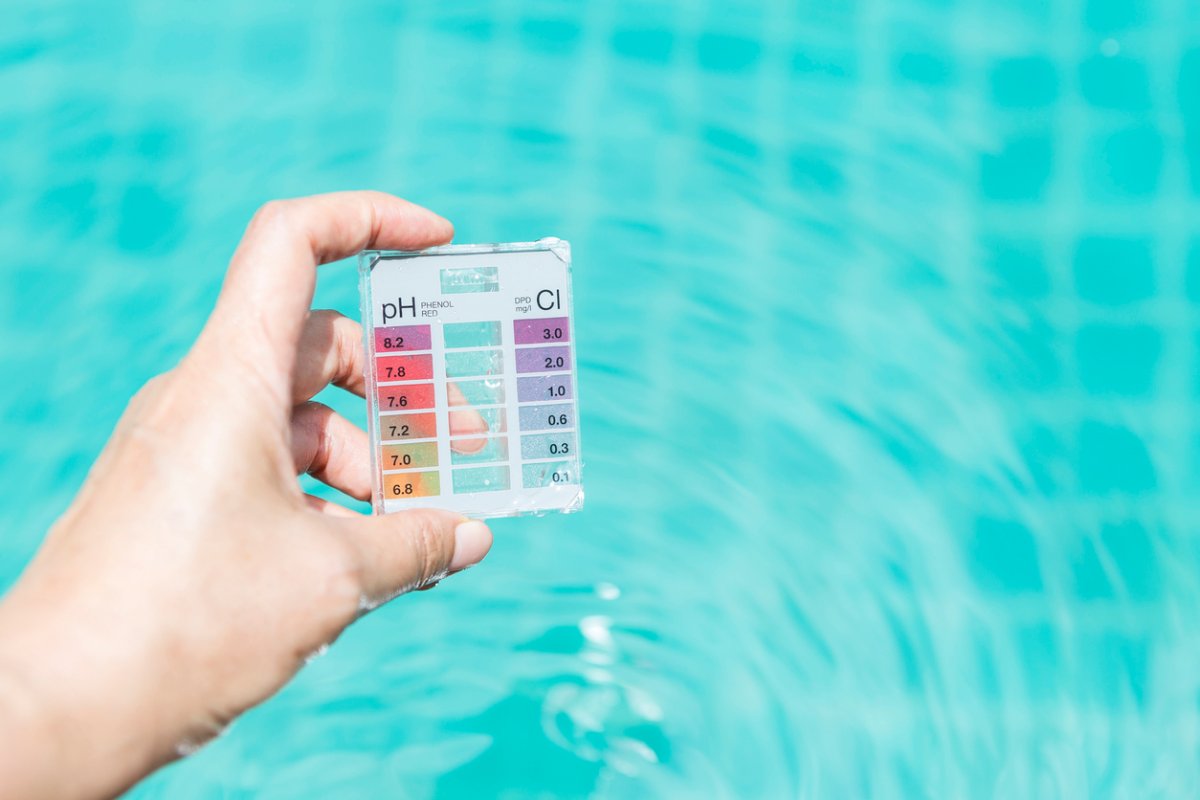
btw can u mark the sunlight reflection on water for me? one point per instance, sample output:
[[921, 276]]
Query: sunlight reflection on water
[[886, 352]]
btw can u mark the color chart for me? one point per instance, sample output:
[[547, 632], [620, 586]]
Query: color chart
[[471, 378]]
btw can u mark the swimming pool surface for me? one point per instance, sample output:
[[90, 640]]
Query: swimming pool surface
[[888, 347]]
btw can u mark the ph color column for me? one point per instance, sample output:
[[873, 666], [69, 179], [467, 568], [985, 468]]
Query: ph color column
[[548, 441], [407, 421], [476, 398]]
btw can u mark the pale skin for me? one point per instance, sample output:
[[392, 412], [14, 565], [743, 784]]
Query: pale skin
[[191, 577]]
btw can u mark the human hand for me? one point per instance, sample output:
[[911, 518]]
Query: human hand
[[191, 577]]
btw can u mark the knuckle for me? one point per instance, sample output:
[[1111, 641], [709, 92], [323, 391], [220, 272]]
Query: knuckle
[[347, 348], [313, 443], [270, 213], [429, 546], [152, 400], [344, 592], [153, 387], [326, 316], [338, 574], [313, 411]]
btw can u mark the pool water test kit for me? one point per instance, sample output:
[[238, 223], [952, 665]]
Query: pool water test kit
[[471, 389]]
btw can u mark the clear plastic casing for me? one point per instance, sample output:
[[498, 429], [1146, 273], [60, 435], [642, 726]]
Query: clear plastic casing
[[471, 389]]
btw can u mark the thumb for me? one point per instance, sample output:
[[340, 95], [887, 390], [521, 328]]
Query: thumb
[[405, 551]]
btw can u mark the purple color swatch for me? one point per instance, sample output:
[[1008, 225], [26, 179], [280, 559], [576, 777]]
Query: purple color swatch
[[542, 331], [403, 337], [543, 359], [545, 388]]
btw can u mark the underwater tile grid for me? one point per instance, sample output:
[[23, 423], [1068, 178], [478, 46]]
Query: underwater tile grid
[[886, 327]]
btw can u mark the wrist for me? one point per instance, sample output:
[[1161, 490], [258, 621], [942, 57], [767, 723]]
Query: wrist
[[28, 746], [71, 699]]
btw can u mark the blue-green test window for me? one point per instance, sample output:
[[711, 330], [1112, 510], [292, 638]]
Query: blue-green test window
[[465, 280]]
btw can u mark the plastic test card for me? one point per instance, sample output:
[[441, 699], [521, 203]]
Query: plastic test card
[[471, 378]]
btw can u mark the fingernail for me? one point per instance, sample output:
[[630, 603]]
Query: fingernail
[[472, 540]]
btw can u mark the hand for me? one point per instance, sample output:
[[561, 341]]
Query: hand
[[191, 577]]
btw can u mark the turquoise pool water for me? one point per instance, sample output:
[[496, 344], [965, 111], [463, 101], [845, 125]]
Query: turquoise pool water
[[888, 345]]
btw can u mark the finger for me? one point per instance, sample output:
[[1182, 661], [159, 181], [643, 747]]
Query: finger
[[332, 449], [269, 286], [464, 422], [411, 549], [330, 351], [329, 507]]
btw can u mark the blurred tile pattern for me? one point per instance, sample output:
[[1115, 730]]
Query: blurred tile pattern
[[886, 319]]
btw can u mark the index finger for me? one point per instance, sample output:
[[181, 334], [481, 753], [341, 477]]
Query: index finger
[[269, 286]]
